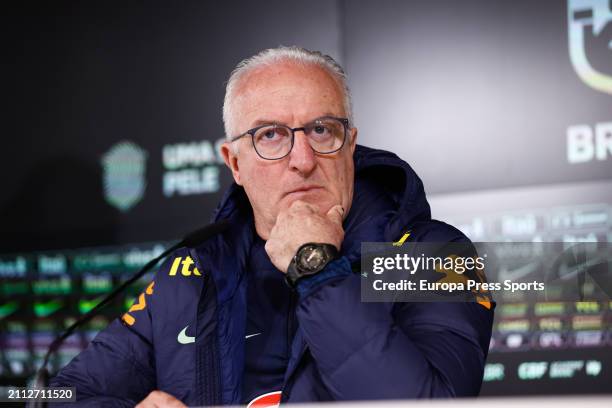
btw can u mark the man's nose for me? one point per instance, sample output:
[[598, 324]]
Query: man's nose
[[302, 158]]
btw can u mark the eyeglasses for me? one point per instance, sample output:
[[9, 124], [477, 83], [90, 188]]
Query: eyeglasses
[[273, 141]]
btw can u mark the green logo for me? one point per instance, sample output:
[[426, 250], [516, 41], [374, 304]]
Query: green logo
[[124, 167]]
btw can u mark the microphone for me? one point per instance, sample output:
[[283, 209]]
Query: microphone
[[194, 238]]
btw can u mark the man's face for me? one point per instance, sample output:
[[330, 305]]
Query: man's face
[[293, 95]]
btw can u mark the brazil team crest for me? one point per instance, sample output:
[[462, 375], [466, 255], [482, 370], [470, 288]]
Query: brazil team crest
[[590, 41], [124, 168]]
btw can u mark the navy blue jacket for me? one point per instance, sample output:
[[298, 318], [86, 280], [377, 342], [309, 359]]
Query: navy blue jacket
[[185, 335]]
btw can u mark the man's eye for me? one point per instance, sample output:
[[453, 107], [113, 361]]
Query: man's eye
[[269, 134], [320, 129]]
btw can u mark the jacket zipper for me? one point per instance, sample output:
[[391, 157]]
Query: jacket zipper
[[291, 329]]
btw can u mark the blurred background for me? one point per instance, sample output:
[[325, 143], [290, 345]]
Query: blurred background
[[112, 120]]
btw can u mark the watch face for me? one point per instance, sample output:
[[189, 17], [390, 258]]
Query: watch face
[[311, 258]]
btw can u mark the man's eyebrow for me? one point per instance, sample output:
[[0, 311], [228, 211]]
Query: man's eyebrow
[[260, 122]]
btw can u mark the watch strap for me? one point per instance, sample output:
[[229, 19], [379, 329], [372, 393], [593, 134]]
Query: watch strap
[[336, 269]]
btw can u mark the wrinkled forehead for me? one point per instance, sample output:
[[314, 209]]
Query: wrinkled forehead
[[287, 92]]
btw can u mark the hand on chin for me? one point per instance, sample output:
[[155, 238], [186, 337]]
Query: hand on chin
[[318, 198], [302, 222]]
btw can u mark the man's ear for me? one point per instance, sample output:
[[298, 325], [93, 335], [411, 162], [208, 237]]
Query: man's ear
[[353, 139], [231, 161]]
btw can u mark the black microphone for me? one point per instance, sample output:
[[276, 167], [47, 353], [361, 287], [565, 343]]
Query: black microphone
[[192, 239]]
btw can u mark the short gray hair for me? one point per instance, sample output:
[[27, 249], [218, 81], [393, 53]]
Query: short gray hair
[[274, 55]]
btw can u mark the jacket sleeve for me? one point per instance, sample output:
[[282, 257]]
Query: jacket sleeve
[[114, 370], [118, 367], [391, 351]]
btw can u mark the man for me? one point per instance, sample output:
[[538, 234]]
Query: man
[[219, 325]]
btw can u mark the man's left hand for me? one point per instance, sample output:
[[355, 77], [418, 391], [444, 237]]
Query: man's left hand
[[299, 224]]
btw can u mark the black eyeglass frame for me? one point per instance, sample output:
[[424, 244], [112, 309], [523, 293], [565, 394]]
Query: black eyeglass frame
[[251, 132]]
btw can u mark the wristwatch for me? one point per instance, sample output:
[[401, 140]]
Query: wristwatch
[[309, 260]]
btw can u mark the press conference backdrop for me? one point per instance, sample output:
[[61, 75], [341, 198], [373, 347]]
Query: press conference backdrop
[[113, 120]]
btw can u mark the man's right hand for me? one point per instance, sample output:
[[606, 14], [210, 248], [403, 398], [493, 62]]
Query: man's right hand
[[299, 224], [158, 399]]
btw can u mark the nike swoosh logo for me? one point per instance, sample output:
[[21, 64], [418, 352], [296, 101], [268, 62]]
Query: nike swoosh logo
[[183, 338], [517, 273], [252, 335]]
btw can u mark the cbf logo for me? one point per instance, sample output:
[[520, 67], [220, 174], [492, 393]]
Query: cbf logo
[[590, 41], [124, 168]]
